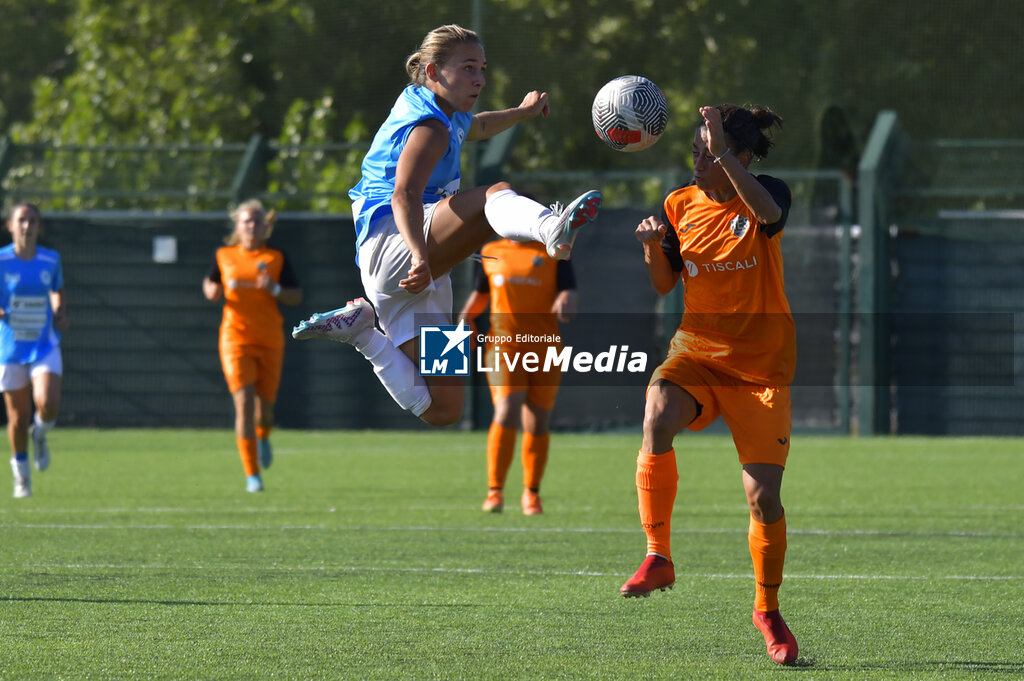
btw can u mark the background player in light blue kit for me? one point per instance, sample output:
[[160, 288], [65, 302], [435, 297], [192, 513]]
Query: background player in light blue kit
[[31, 313]]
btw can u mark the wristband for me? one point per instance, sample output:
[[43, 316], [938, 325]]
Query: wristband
[[724, 154], [276, 291]]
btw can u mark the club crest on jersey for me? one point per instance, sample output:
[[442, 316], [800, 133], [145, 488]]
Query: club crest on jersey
[[538, 261], [739, 225]]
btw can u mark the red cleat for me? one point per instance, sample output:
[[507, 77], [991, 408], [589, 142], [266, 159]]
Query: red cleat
[[531, 503], [777, 636], [495, 501], [655, 572]]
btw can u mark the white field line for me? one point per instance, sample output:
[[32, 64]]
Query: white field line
[[792, 510], [247, 527], [490, 571]]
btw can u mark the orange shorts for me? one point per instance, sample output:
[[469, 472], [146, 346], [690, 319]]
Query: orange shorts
[[541, 387], [252, 364], [758, 416]]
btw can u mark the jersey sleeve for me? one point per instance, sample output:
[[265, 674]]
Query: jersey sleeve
[[288, 277], [670, 244], [58, 277], [565, 276], [782, 196], [213, 274]]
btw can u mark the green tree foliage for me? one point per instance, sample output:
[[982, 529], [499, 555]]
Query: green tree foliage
[[325, 72]]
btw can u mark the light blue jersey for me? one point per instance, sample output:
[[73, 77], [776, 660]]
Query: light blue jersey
[[371, 198], [26, 330]]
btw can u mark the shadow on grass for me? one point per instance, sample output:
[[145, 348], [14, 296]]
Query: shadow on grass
[[276, 604]]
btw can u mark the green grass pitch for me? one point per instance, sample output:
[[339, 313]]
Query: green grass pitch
[[367, 557]]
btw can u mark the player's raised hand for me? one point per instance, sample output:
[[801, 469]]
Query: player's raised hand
[[716, 134], [651, 230], [419, 276], [535, 103]]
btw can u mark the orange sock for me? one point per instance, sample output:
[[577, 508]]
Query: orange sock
[[501, 443], [768, 551], [656, 483], [535, 458], [247, 451], [263, 432]]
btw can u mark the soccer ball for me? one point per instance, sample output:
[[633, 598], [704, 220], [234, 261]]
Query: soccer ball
[[630, 113]]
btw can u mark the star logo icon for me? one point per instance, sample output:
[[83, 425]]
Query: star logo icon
[[444, 350], [455, 337]]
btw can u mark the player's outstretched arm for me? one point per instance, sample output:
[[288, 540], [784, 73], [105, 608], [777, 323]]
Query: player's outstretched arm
[[649, 233], [489, 123]]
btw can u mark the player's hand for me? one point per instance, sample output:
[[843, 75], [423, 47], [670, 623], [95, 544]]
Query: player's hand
[[650, 231], [534, 104], [564, 307], [716, 134], [264, 281], [418, 277], [60, 319]]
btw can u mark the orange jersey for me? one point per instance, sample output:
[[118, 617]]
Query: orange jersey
[[736, 316], [523, 282], [251, 315]]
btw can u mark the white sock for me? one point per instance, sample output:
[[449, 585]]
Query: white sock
[[515, 217], [42, 426], [22, 471], [397, 373]]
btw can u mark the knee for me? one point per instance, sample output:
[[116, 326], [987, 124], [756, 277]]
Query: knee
[[765, 505], [505, 416], [442, 412], [48, 412], [19, 420], [659, 425], [498, 187], [441, 415]]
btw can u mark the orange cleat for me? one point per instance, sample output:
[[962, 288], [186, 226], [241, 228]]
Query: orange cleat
[[495, 501], [531, 503], [777, 636], [656, 572]]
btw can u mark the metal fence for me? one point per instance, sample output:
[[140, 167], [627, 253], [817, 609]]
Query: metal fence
[[925, 227]]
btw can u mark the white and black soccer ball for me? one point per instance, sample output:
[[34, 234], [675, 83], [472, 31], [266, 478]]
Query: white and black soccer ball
[[629, 113]]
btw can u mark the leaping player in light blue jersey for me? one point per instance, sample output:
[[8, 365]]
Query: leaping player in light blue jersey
[[31, 314], [412, 226]]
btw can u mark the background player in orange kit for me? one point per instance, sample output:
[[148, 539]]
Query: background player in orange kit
[[528, 293], [734, 353], [253, 278]]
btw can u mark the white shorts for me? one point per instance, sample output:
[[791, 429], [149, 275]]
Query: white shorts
[[384, 260], [17, 376]]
